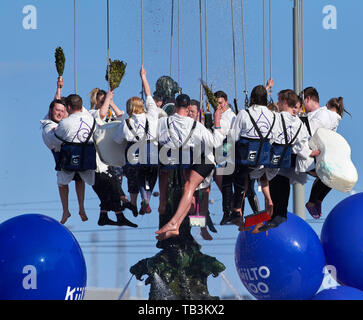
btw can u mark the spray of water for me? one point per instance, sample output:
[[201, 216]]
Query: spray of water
[[163, 290]]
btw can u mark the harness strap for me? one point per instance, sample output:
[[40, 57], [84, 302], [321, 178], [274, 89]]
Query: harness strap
[[186, 140], [77, 143], [262, 138], [133, 131], [287, 144]]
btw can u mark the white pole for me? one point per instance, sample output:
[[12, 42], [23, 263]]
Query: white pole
[[298, 189]]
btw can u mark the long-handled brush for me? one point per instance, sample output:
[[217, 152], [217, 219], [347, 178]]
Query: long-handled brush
[[256, 218], [60, 61], [197, 220], [115, 72]]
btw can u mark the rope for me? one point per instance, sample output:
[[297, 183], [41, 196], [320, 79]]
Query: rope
[[270, 47], [75, 53], [201, 51], [234, 53], [108, 42], [263, 41], [244, 56], [171, 36], [206, 42], [270, 38], [302, 46], [142, 44], [179, 42]]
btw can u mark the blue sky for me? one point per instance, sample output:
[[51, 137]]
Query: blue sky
[[332, 64]]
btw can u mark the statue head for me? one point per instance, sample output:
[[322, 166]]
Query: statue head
[[167, 88]]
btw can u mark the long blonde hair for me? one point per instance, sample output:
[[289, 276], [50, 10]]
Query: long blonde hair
[[134, 106]]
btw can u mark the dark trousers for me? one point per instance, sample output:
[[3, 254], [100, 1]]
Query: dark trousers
[[318, 191], [233, 187], [108, 189], [280, 193]]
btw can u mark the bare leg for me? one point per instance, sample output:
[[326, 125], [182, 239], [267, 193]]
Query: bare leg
[[268, 201], [172, 227], [80, 191], [63, 194]]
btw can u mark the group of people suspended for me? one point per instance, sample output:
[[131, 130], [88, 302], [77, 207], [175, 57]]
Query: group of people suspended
[[265, 142]]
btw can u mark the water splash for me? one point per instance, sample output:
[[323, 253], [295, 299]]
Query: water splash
[[163, 290]]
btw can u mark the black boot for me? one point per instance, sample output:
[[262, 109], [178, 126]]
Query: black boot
[[210, 223], [130, 206], [226, 218], [104, 220], [273, 223], [122, 221]]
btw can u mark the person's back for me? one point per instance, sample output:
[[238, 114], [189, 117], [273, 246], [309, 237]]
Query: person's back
[[263, 117], [180, 131], [78, 126]]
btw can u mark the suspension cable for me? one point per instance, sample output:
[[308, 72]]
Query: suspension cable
[[263, 41], [171, 36], [179, 43], [234, 53], [201, 51], [206, 42], [244, 56], [270, 47], [108, 42], [302, 46], [75, 52], [142, 43]]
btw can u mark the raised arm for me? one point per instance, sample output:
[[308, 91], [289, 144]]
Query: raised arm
[[115, 108], [58, 93], [145, 83], [104, 109]]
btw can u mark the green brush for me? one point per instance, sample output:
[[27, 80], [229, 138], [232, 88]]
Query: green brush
[[114, 73]]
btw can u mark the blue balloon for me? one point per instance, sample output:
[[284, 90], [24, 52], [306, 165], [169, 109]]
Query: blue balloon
[[339, 293], [287, 264], [40, 260], [342, 240]]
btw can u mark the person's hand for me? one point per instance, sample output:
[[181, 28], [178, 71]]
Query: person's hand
[[217, 117], [60, 82], [315, 153], [142, 71], [109, 95], [270, 84]]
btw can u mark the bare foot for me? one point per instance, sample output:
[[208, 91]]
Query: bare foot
[[83, 215], [167, 234], [258, 226], [170, 226], [205, 234], [65, 217]]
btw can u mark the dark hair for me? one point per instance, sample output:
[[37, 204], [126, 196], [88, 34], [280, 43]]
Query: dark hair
[[52, 105], [259, 96], [157, 98], [196, 103], [310, 92], [337, 103], [100, 93], [57, 101], [74, 101], [221, 94], [182, 101], [289, 96]]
